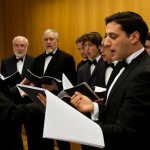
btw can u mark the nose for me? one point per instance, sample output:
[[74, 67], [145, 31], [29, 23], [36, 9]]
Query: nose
[[48, 41], [101, 48], [107, 42], [86, 47]]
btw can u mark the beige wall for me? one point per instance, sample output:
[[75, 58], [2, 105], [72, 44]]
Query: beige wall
[[70, 18]]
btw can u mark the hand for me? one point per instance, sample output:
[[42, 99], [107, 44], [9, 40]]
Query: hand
[[42, 98], [100, 100], [25, 81], [50, 87], [82, 103]]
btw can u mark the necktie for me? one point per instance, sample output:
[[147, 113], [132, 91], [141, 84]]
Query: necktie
[[49, 54], [109, 64], [94, 62], [17, 59]]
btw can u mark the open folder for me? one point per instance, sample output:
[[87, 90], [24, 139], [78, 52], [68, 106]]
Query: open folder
[[63, 122], [13, 79], [84, 88]]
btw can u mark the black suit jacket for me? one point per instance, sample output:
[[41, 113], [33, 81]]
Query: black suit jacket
[[97, 78], [81, 63], [9, 65], [60, 63], [11, 118], [125, 118]]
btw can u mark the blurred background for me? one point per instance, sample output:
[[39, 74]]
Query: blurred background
[[71, 18]]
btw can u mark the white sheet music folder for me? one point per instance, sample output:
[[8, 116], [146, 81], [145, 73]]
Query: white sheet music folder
[[63, 122]]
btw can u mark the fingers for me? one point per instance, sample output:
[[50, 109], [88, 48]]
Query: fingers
[[42, 98], [76, 99], [99, 100]]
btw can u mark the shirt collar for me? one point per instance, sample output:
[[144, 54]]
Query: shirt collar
[[97, 58], [21, 57], [134, 55], [52, 52]]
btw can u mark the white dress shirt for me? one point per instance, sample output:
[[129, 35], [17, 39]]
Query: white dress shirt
[[93, 66], [47, 61], [20, 65]]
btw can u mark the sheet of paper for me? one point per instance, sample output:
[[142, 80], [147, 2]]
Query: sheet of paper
[[66, 83], [99, 89], [63, 122], [1, 76]]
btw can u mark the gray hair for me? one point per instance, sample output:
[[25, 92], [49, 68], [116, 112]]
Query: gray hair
[[20, 37], [51, 30]]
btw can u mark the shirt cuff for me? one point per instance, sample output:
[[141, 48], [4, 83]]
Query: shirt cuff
[[95, 113]]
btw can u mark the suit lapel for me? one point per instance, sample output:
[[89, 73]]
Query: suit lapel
[[41, 61], [25, 65], [98, 67], [114, 73], [13, 63], [118, 82], [126, 72], [101, 68], [98, 75]]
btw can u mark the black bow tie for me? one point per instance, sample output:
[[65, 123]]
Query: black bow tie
[[123, 64], [49, 54], [94, 62], [109, 64], [17, 59]]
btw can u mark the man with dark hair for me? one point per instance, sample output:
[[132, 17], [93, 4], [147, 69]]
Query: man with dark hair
[[88, 72], [82, 51], [124, 115]]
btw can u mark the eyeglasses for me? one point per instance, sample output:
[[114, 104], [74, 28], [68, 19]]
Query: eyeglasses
[[147, 46]]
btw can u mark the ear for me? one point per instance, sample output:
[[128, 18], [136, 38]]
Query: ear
[[134, 37]]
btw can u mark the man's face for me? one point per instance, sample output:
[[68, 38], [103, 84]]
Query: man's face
[[105, 53], [117, 41], [50, 42], [20, 47], [92, 50], [147, 46], [82, 50]]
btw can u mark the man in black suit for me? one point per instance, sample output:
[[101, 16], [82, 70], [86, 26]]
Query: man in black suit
[[20, 61], [89, 71], [124, 115], [54, 62], [82, 51], [11, 118]]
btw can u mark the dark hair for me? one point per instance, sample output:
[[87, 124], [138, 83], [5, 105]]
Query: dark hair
[[94, 37], [81, 38], [130, 22]]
